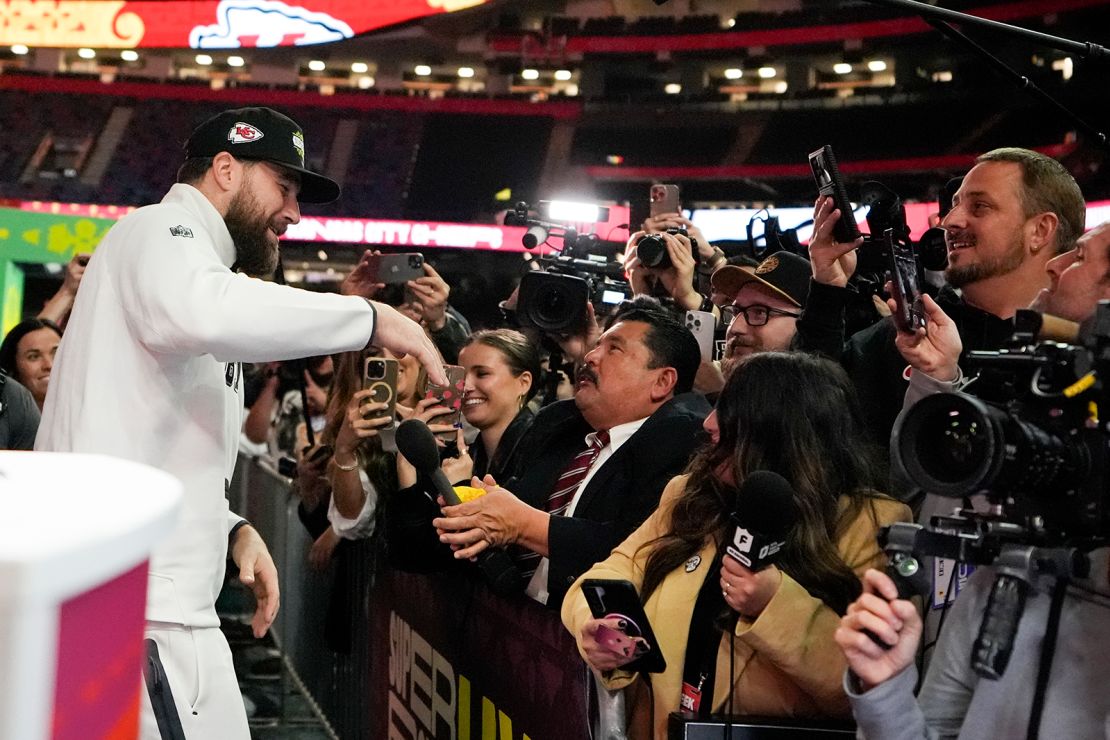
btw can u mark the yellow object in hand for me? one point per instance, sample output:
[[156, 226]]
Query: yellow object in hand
[[469, 493]]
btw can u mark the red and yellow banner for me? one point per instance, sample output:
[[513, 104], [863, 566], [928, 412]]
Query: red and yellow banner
[[204, 24]]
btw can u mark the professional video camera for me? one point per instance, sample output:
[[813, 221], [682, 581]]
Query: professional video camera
[[554, 299], [1036, 449]]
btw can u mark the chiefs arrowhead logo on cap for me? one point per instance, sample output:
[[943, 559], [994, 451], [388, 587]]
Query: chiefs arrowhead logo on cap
[[243, 133], [768, 265]]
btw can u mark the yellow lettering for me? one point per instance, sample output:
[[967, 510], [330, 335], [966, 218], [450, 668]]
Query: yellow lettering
[[489, 720], [464, 708]]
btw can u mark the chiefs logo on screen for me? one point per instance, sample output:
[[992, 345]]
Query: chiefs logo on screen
[[243, 133]]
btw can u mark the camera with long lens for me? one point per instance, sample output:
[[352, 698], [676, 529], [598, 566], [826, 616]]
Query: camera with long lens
[[1036, 449], [1032, 444], [554, 298], [652, 249]]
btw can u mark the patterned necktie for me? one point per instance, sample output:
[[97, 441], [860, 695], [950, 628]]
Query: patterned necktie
[[563, 493], [573, 475]]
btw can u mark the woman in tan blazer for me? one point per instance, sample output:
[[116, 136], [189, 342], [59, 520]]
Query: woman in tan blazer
[[795, 415]]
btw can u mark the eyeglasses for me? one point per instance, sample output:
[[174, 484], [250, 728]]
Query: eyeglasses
[[755, 315]]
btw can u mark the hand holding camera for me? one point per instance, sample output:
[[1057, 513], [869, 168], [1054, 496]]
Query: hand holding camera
[[879, 615], [667, 257]]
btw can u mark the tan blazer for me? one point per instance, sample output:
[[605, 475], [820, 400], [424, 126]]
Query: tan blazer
[[786, 663]]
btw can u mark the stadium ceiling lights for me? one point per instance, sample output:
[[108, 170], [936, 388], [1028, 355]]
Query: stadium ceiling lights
[[733, 73], [317, 65], [877, 65], [466, 72], [235, 61], [19, 49], [360, 68], [842, 68], [203, 59], [672, 88], [129, 55], [563, 75], [365, 83], [422, 70], [86, 53], [530, 74], [767, 73]]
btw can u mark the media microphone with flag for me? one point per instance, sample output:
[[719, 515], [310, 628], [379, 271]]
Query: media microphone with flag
[[763, 516], [418, 445]]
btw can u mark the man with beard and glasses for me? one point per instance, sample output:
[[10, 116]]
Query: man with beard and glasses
[[597, 464], [1015, 210], [765, 303], [150, 371]]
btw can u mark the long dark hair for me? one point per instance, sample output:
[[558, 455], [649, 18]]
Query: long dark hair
[[10, 346], [796, 415], [379, 464]]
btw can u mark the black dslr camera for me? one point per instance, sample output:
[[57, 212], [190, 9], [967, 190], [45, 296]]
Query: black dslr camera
[[554, 298], [652, 249]]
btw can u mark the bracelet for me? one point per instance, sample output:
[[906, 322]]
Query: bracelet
[[347, 468]]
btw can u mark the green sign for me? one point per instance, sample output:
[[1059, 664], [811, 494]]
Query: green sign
[[27, 237]]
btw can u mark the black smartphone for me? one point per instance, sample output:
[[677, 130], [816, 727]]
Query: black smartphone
[[392, 269], [830, 184], [909, 314], [618, 599]]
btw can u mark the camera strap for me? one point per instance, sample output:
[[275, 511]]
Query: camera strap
[[699, 670]]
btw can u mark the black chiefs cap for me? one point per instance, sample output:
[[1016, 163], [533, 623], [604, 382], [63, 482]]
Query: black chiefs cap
[[261, 134]]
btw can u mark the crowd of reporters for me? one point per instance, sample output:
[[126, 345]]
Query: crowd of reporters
[[631, 470]]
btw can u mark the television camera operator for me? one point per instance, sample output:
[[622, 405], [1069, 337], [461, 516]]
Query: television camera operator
[[1054, 681]]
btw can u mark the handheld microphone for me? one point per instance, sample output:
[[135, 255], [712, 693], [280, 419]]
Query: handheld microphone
[[763, 516], [417, 443]]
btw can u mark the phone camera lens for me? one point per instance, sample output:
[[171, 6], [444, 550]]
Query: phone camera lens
[[375, 369]]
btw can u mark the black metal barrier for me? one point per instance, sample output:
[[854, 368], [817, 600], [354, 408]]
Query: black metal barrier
[[427, 656]]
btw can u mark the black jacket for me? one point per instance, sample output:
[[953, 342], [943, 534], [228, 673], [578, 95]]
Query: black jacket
[[623, 492], [870, 355], [411, 540]]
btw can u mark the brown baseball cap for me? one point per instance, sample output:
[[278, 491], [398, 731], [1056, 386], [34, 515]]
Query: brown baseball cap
[[785, 273]]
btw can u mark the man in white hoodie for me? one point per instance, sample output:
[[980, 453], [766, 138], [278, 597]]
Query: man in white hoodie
[[150, 370]]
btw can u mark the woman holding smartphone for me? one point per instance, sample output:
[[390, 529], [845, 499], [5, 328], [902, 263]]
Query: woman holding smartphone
[[767, 637], [502, 375]]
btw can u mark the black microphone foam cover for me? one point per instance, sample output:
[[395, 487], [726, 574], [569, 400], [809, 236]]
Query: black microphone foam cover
[[765, 504], [762, 517], [416, 442]]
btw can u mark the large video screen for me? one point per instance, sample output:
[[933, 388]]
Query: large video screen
[[204, 24]]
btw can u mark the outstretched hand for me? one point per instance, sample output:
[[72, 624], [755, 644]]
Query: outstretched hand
[[403, 336]]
